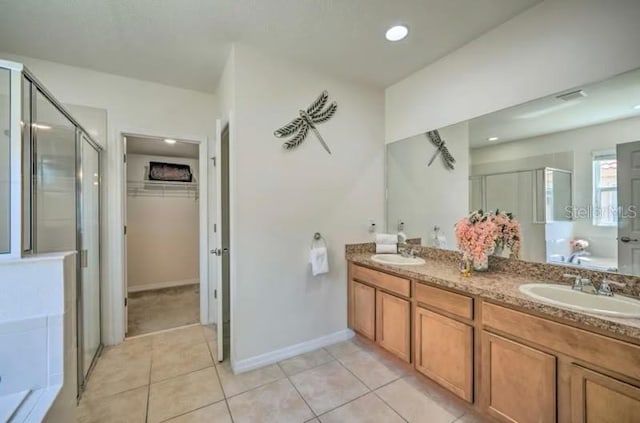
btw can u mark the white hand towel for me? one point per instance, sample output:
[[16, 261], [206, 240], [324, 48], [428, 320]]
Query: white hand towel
[[319, 260], [386, 248], [387, 239]]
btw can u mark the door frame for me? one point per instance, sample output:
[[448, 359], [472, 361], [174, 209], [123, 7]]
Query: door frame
[[117, 187]]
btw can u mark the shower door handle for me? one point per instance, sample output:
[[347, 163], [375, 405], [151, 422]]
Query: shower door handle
[[83, 258]]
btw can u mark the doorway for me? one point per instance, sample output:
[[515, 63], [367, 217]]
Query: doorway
[[162, 234]]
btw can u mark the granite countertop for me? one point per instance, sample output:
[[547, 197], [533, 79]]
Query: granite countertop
[[500, 287]]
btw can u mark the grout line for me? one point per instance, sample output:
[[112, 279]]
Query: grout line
[[342, 405], [310, 368], [191, 411], [224, 396], [146, 417], [299, 393], [389, 405]]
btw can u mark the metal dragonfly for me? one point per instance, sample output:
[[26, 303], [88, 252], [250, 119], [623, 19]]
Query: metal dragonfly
[[308, 120], [447, 158]]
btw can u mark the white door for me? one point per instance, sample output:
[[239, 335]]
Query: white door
[[124, 247], [628, 156], [218, 249]]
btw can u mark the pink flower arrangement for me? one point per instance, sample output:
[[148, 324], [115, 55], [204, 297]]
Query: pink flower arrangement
[[480, 233], [476, 237], [508, 232]]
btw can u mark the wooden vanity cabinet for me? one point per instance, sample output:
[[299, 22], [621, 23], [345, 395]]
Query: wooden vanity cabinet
[[518, 383], [522, 367], [444, 351], [363, 307], [393, 324], [597, 398], [380, 310]]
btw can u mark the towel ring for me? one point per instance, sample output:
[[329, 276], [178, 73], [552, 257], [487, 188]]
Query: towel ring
[[317, 238]]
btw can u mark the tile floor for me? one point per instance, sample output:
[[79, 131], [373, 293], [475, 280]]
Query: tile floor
[[173, 377], [161, 309]]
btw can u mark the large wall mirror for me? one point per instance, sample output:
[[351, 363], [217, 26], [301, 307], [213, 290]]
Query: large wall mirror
[[566, 166]]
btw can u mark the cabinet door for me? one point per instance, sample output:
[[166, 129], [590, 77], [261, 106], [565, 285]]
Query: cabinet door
[[444, 351], [596, 398], [393, 324], [518, 382], [363, 307]]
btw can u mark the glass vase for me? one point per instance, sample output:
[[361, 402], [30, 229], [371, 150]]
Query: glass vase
[[481, 266]]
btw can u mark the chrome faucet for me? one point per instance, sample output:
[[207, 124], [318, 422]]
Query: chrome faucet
[[582, 284], [404, 252], [605, 287], [585, 285]]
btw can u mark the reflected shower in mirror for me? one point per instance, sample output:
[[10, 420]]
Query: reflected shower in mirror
[[566, 166]]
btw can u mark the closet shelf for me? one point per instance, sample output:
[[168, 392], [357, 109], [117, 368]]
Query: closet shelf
[[162, 189]]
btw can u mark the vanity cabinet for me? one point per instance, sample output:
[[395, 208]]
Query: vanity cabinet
[[514, 365], [363, 305], [380, 310], [393, 324], [599, 398], [444, 351], [518, 383]]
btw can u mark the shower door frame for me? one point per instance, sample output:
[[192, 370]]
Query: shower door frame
[[82, 136]]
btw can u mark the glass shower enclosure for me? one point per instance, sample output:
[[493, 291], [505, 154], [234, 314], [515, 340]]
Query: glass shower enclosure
[[50, 182]]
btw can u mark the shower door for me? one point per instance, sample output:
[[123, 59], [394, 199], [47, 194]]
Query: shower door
[[89, 256]]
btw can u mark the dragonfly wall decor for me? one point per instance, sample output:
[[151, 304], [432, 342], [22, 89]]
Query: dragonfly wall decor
[[308, 120], [447, 158]]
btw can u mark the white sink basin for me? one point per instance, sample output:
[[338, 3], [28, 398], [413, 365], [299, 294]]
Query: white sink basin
[[397, 260], [564, 296]]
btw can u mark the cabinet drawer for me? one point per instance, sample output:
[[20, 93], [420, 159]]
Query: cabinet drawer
[[609, 353], [453, 303], [387, 282]]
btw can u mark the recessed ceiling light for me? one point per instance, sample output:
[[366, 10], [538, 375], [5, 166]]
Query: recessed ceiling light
[[397, 33], [636, 107], [169, 141], [493, 139]]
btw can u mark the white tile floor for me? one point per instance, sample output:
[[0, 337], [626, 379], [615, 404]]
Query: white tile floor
[[173, 377]]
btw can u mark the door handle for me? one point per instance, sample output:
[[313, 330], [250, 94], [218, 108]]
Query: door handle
[[626, 239]]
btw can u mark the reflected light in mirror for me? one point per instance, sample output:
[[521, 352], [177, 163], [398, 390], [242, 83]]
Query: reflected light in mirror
[[636, 107], [493, 139], [169, 141]]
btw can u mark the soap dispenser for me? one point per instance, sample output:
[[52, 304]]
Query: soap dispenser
[[402, 237]]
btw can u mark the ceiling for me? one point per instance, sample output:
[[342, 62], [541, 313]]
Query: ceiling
[[157, 147], [185, 43], [605, 101]]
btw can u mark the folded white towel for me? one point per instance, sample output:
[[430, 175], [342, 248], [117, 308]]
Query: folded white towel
[[386, 248], [387, 239], [319, 260]]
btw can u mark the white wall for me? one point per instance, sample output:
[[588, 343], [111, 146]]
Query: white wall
[[424, 197], [546, 49], [279, 199], [133, 106], [162, 231], [582, 142]]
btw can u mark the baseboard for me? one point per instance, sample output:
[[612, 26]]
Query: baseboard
[[272, 357], [160, 285]]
